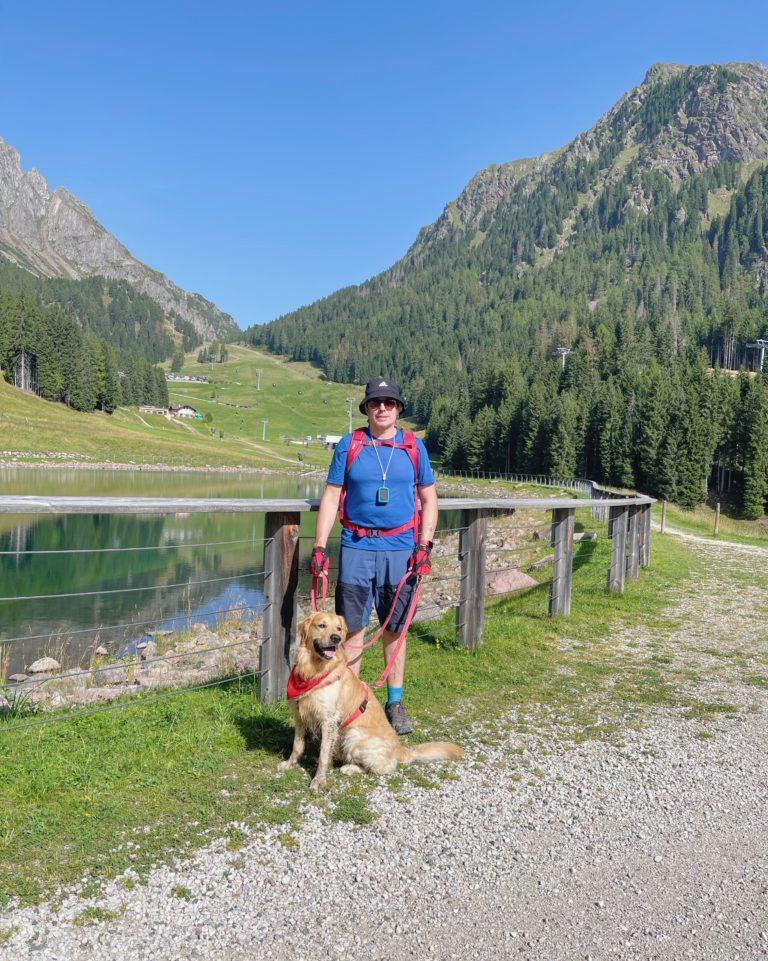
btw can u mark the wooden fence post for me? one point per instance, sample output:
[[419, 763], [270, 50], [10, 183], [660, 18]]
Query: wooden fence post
[[281, 574], [645, 554], [663, 515], [633, 557], [562, 566], [617, 531], [717, 519], [471, 610]]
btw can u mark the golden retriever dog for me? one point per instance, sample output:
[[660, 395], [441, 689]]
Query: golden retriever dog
[[326, 693]]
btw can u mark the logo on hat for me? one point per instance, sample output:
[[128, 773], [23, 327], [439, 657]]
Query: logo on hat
[[383, 384]]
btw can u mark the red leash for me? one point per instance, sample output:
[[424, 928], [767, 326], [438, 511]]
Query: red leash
[[401, 639], [376, 637], [406, 625], [313, 590], [323, 576]]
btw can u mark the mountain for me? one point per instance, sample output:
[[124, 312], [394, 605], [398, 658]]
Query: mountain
[[53, 234], [679, 121], [642, 245]]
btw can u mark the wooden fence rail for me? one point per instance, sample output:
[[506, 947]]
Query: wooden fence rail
[[629, 529]]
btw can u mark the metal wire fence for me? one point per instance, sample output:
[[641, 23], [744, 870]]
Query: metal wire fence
[[180, 639]]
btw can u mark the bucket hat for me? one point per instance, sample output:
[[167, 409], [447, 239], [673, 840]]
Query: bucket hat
[[382, 387]]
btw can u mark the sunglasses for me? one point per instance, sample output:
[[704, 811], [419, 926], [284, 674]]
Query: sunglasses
[[388, 402]]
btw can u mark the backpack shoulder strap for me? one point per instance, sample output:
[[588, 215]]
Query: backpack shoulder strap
[[412, 450], [356, 444]]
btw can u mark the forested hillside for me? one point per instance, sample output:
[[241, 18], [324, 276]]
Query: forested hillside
[[69, 363], [82, 333], [128, 320], [642, 246]]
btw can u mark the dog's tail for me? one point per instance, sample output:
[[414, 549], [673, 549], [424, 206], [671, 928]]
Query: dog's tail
[[432, 751]]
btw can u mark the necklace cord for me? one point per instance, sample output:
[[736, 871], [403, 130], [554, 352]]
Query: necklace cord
[[381, 466]]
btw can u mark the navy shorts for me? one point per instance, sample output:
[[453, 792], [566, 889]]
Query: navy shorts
[[371, 577]]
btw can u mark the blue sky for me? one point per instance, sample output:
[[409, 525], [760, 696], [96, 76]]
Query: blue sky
[[266, 154]]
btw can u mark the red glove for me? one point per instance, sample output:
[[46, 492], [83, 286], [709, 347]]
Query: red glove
[[319, 562], [420, 562]]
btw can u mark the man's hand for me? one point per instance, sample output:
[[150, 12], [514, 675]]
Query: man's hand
[[420, 562], [319, 562]]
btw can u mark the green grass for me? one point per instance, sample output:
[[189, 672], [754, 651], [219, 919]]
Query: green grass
[[301, 403], [92, 797], [701, 521], [181, 892], [95, 916]]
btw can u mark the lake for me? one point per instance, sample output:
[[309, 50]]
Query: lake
[[121, 575]]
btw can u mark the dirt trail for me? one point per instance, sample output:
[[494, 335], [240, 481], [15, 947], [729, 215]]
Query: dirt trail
[[729, 546]]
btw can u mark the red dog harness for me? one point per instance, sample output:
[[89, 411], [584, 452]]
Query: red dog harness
[[298, 687], [361, 710]]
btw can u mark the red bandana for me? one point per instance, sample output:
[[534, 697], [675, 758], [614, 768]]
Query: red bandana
[[297, 685]]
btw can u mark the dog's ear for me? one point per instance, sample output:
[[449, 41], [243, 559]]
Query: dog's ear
[[304, 627], [343, 628]]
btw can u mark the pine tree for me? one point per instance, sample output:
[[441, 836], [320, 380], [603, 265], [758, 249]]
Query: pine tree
[[111, 396], [563, 439], [755, 493], [695, 459], [652, 425], [533, 419]]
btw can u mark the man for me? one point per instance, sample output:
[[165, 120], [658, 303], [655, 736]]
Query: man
[[378, 542]]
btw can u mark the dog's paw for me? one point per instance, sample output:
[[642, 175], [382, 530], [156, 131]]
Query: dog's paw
[[318, 783], [351, 769], [286, 766]]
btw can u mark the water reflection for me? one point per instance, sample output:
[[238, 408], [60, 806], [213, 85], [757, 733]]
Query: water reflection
[[118, 572], [124, 574]]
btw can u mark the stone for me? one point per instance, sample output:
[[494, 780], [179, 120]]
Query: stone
[[18, 678], [147, 650], [68, 683], [160, 667], [151, 679], [101, 651], [111, 676], [44, 665], [245, 660], [504, 582], [100, 695], [5, 706]]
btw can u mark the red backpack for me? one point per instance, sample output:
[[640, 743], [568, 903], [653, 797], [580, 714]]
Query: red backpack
[[356, 444]]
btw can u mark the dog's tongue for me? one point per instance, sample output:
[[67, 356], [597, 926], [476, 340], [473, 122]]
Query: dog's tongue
[[329, 651]]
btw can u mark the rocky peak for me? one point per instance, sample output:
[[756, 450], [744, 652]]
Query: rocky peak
[[54, 234], [662, 71], [679, 121]]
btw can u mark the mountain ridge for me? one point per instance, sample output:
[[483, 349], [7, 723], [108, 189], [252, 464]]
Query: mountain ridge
[[490, 187], [54, 234], [642, 245]]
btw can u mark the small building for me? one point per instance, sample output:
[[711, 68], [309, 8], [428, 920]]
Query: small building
[[148, 409], [331, 441], [182, 410]]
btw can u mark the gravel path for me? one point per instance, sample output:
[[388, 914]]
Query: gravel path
[[541, 848]]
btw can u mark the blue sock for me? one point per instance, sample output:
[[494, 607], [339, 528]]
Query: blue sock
[[394, 694]]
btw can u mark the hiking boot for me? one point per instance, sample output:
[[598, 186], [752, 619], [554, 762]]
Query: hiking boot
[[398, 718]]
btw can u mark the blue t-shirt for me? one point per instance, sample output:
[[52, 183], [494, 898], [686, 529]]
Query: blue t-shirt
[[364, 480]]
